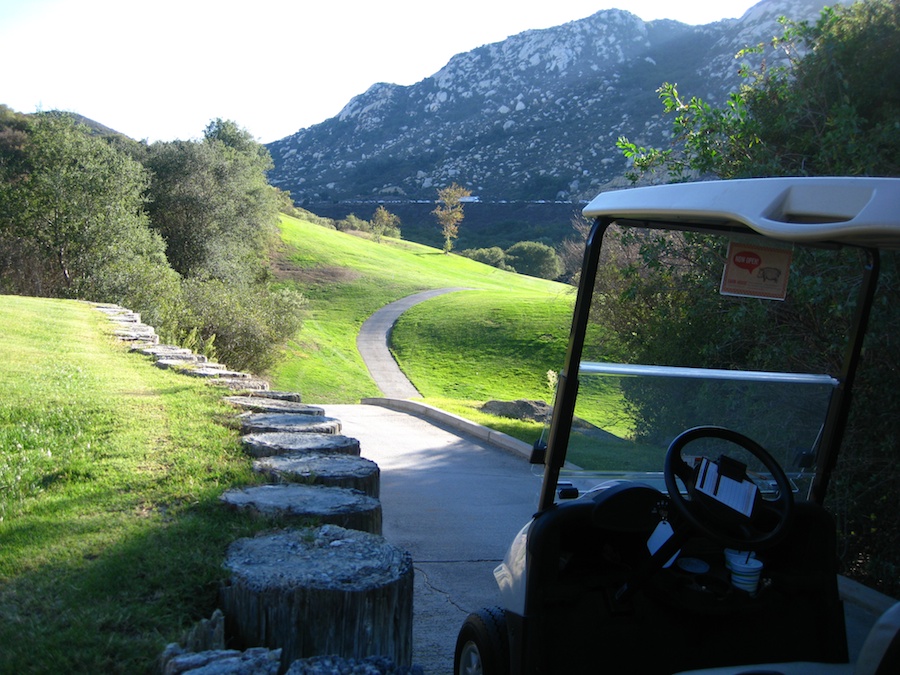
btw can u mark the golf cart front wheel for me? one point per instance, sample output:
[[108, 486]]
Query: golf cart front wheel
[[482, 647]]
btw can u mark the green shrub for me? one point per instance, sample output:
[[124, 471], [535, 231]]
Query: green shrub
[[493, 256], [534, 259], [246, 324]]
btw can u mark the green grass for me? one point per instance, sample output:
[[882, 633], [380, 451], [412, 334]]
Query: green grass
[[347, 278], [110, 472], [111, 531], [484, 344], [497, 340]]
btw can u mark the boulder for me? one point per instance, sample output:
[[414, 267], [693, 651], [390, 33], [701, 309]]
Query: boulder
[[244, 383], [254, 661], [336, 665], [262, 422], [520, 410], [284, 396], [273, 405]]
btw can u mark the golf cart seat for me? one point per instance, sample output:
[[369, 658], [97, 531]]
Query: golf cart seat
[[880, 655]]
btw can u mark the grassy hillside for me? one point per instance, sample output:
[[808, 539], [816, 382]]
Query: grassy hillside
[[494, 341], [110, 472]]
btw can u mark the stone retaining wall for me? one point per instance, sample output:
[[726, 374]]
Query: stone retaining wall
[[294, 627]]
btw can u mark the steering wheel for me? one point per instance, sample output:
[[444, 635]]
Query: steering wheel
[[769, 519]]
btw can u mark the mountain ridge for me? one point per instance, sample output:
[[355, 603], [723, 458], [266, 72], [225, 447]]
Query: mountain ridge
[[533, 117]]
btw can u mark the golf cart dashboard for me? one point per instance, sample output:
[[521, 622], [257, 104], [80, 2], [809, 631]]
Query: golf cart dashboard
[[592, 564]]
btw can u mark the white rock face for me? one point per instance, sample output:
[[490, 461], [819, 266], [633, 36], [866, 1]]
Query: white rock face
[[541, 103]]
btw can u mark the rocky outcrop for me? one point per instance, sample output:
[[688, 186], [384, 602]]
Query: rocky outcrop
[[534, 117], [520, 409]]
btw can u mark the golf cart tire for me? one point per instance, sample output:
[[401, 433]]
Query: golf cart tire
[[482, 647]]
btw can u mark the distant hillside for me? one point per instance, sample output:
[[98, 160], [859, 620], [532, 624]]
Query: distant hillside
[[534, 117]]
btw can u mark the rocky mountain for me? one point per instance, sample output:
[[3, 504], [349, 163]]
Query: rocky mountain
[[535, 117]]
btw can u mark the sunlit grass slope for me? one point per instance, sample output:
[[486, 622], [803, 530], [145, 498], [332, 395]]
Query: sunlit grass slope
[[111, 533], [496, 340]]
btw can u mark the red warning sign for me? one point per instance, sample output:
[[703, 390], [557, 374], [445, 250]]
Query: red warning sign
[[756, 271]]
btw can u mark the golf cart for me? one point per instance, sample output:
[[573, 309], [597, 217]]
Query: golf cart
[[680, 523]]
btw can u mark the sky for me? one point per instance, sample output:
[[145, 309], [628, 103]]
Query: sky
[[161, 70]]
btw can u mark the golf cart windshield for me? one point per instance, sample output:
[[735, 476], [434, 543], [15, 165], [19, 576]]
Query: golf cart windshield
[[627, 415], [674, 328]]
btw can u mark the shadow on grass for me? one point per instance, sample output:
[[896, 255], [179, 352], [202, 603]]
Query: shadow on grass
[[82, 603]]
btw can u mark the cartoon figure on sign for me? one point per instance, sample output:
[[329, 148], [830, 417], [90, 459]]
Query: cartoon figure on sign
[[769, 274], [747, 260]]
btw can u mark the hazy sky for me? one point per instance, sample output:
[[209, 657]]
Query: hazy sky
[[162, 69]]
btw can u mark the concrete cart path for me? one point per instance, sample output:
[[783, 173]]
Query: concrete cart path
[[374, 339], [455, 503]]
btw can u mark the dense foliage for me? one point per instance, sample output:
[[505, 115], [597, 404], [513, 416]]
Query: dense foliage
[[383, 224], [830, 105], [532, 258], [157, 229]]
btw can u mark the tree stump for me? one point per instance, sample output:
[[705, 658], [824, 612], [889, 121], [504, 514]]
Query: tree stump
[[311, 503], [242, 384], [271, 405], [283, 396], [272, 443], [322, 591], [214, 370], [163, 351], [261, 422], [342, 471]]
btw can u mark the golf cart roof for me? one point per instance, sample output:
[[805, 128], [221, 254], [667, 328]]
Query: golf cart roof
[[855, 211]]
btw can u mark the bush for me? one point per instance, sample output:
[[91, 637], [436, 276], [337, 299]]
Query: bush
[[493, 256], [353, 224], [246, 324], [534, 259]]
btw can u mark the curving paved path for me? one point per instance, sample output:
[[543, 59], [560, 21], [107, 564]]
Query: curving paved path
[[374, 339]]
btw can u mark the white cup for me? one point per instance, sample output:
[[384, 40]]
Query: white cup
[[734, 554], [745, 574]]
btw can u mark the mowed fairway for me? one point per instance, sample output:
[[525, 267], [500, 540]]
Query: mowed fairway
[[496, 341]]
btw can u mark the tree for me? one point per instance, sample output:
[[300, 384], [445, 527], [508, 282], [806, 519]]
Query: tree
[[211, 203], [534, 259], [217, 213], [385, 223], [73, 223], [833, 108], [353, 223], [449, 212], [75, 204]]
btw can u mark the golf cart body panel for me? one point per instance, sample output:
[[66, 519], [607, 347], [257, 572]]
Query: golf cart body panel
[[624, 568]]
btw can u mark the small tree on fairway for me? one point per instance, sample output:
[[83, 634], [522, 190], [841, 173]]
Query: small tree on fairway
[[449, 212], [384, 222]]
